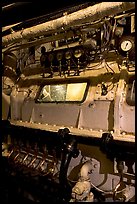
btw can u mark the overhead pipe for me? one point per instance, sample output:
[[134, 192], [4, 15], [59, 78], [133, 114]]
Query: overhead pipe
[[13, 5], [86, 15]]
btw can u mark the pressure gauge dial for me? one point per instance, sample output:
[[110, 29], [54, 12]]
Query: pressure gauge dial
[[59, 56], [68, 55], [51, 57], [126, 45], [78, 53]]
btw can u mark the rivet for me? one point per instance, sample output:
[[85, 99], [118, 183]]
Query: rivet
[[123, 133]]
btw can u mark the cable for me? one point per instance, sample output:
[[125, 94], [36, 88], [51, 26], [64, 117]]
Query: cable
[[109, 67], [108, 192], [97, 65]]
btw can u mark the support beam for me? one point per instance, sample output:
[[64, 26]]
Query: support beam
[[88, 14]]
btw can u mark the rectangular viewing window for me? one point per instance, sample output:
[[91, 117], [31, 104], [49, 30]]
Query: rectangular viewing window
[[71, 92]]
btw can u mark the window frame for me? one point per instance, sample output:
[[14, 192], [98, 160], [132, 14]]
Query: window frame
[[62, 102], [130, 89]]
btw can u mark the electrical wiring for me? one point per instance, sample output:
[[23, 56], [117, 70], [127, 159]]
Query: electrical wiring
[[111, 192], [93, 67], [107, 32], [100, 63], [107, 65]]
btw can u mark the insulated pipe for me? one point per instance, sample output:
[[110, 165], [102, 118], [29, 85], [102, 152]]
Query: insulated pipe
[[86, 15]]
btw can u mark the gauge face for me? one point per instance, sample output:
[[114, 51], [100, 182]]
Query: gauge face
[[78, 53], [68, 55], [51, 57], [126, 45], [59, 56]]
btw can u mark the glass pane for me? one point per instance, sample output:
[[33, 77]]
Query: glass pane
[[75, 92], [45, 94], [63, 92], [58, 92]]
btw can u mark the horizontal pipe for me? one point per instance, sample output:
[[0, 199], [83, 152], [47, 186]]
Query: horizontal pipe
[[13, 5], [86, 15]]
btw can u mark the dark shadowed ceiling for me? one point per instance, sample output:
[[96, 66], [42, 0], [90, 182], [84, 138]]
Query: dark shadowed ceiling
[[15, 12]]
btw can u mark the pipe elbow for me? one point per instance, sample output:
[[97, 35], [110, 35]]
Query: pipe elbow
[[85, 170]]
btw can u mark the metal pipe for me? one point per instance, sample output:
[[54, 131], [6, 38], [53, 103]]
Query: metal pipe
[[90, 13], [13, 5], [85, 169]]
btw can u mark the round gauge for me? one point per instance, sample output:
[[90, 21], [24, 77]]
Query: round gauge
[[59, 56], [78, 53], [68, 55], [126, 45], [51, 57]]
